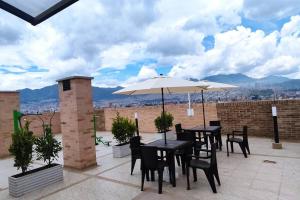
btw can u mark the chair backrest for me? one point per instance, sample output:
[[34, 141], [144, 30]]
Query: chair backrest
[[135, 142], [245, 132], [215, 123], [178, 128], [186, 136], [213, 159], [149, 157]]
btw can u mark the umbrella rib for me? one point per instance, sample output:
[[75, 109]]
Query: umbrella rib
[[169, 90], [132, 92]]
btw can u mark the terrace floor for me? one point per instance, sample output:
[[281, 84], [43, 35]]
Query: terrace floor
[[241, 178]]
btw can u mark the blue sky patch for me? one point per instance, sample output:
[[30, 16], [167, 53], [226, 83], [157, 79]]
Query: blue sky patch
[[266, 26], [208, 42], [133, 70], [20, 70]]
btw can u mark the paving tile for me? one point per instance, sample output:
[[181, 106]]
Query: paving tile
[[241, 178], [106, 163], [268, 186], [97, 189]]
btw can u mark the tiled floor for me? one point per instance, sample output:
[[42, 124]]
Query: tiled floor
[[241, 178]]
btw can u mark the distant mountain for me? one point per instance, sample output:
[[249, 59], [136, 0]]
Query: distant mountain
[[246, 81], [293, 84], [50, 93], [37, 95], [106, 93], [269, 80], [238, 79]]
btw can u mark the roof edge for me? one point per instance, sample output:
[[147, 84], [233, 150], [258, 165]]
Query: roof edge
[[75, 77]]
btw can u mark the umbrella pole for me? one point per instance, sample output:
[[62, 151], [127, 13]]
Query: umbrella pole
[[203, 110], [163, 115]]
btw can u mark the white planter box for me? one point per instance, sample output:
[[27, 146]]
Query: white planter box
[[34, 180], [121, 151]]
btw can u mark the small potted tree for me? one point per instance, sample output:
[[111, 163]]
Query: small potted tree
[[164, 121], [122, 129], [46, 148]]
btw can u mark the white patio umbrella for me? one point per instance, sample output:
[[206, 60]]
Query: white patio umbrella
[[213, 86], [161, 85]]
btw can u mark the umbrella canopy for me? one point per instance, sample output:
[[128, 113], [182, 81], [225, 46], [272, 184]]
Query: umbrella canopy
[[163, 84], [169, 84]]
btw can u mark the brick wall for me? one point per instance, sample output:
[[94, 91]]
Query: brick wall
[[147, 115], [100, 119], [258, 116], [9, 101], [76, 113], [36, 123]]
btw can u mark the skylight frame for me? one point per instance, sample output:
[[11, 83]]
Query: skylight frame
[[40, 17]]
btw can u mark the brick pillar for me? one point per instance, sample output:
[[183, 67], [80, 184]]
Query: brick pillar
[[76, 114], [9, 101]]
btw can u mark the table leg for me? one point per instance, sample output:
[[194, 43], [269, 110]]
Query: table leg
[[220, 140], [152, 176], [172, 166]]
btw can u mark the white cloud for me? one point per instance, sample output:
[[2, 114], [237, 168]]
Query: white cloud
[[145, 72], [92, 35], [242, 50], [270, 9], [175, 42], [292, 28], [119, 56]]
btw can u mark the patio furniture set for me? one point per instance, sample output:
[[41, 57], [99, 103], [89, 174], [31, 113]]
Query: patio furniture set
[[193, 148]]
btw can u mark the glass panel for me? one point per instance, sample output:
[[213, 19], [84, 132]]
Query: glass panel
[[32, 7]]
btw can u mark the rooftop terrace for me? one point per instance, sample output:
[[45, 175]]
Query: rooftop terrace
[[252, 178]]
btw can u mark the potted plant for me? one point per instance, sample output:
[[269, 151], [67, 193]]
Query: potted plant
[[122, 129], [167, 122], [46, 148], [164, 120]]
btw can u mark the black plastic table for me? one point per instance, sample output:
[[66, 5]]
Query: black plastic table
[[214, 131], [170, 148]]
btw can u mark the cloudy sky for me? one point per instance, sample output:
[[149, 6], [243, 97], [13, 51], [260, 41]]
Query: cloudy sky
[[123, 41]]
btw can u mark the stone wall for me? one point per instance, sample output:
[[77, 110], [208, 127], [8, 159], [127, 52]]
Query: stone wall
[[258, 116], [147, 114], [36, 123], [9, 101]]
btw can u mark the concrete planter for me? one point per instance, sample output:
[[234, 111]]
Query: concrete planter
[[120, 151], [35, 179]]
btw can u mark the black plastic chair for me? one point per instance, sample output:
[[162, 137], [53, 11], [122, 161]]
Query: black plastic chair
[[210, 168], [178, 130], [242, 140], [218, 137], [181, 154], [135, 146], [201, 139], [152, 162]]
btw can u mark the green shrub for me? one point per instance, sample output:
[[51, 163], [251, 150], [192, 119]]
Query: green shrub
[[122, 129], [159, 122], [47, 147], [21, 147]]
